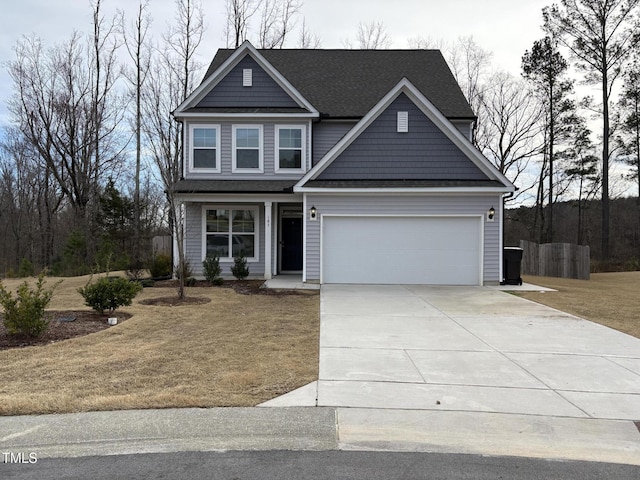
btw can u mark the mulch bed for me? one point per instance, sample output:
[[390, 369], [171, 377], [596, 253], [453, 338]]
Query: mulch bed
[[174, 301], [85, 322], [243, 287]]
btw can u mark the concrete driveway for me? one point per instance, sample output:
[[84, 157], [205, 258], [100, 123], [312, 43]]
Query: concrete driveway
[[470, 349]]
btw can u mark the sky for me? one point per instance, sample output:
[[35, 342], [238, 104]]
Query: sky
[[505, 27]]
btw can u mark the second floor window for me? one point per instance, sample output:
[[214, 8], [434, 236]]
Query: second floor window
[[289, 147], [205, 148], [247, 148]]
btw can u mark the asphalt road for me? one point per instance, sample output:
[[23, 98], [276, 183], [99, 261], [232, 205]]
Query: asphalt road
[[282, 465]]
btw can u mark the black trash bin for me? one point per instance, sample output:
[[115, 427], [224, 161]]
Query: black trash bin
[[511, 260]]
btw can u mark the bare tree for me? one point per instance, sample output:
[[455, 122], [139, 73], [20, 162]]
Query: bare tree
[[239, 14], [510, 133], [277, 19], [137, 44], [470, 65], [600, 34], [54, 104], [370, 36], [307, 39], [424, 43], [29, 200], [170, 81]]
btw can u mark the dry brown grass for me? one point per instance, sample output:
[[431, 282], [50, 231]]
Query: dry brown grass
[[237, 350], [611, 299]]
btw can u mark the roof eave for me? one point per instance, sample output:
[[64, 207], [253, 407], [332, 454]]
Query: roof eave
[[217, 115], [407, 190]]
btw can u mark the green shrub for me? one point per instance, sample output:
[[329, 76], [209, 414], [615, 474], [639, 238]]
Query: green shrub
[[25, 269], [160, 266], [190, 282], [25, 314], [135, 270], [240, 269], [147, 282], [184, 272], [109, 293], [212, 270]]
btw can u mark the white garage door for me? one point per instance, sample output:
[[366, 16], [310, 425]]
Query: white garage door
[[401, 250]]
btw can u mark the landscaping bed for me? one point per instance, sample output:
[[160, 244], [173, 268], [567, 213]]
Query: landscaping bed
[[237, 349], [61, 327]]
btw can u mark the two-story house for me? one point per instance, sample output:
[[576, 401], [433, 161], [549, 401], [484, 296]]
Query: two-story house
[[346, 166]]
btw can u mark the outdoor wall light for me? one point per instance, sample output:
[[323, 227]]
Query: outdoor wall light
[[492, 213], [313, 213]]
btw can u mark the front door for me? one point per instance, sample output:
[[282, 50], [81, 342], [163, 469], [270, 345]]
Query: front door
[[291, 243]]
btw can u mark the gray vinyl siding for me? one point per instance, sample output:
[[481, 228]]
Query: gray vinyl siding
[[464, 128], [226, 151], [193, 241], [229, 92], [406, 205], [381, 153], [326, 135]]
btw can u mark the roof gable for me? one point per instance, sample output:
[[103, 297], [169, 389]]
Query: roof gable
[[379, 152], [348, 83], [230, 92], [270, 81], [449, 137]]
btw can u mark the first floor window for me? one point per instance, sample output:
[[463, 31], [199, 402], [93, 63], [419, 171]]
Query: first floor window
[[229, 232], [205, 148], [289, 147]]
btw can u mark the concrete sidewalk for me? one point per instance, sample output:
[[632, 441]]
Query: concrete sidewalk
[[169, 430], [316, 428]]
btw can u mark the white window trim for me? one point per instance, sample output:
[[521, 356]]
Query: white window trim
[[256, 215], [194, 169], [276, 153], [260, 168]]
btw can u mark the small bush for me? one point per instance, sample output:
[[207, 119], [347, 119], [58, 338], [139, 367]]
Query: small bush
[[25, 314], [184, 272], [135, 270], [147, 282], [109, 293], [25, 269], [240, 269], [212, 270], [160, 266], [190, 282]]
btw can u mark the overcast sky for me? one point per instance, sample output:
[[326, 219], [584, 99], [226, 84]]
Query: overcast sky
[[505, 27]]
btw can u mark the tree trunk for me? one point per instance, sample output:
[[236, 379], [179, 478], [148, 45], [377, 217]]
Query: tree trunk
[[605, 159]]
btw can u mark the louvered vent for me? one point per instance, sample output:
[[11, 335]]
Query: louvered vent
[[247, 77], [403, 122]]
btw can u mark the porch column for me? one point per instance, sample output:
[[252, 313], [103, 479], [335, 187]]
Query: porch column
[[267, 240]]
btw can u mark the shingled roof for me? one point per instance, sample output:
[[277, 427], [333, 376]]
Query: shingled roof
[[348, 83]]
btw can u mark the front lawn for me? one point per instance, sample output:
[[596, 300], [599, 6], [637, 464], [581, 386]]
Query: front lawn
[[611, 299], [236, 350]]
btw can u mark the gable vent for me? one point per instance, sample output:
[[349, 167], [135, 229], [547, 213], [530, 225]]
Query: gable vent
[[403, 122], [247, 77]]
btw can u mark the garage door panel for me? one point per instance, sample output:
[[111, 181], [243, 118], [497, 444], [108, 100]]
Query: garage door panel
[[411, 250]]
